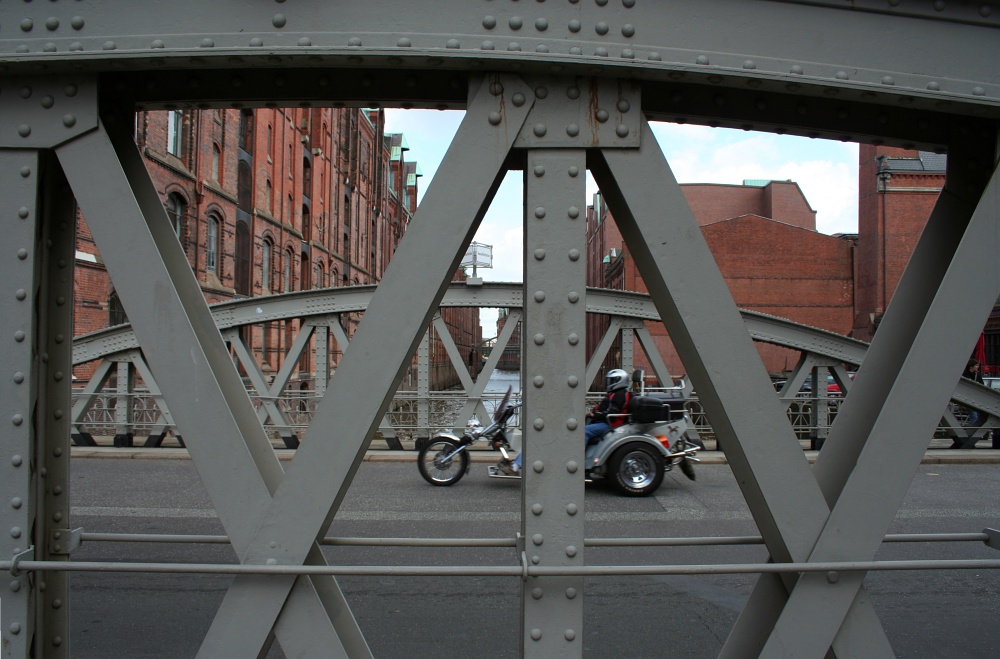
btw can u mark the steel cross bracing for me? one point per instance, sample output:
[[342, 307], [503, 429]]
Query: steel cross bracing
[[73, 73]]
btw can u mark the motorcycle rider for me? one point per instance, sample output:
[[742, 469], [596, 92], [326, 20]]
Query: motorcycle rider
[[600, 420]]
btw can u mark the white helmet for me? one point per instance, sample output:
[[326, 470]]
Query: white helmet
[[616, 379]]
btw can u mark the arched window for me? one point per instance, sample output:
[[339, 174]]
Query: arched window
[[244, 186], [216, 157], [116, 312], [241, 273], [212, 245], [286, 272], [318, 275], [175, 133], [175, 211], [265, 264]]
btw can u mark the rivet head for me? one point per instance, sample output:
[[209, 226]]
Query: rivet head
[[495, 118], [453, 43], [539, 296], [52, 24], [621, 130], [57, 641], [602, 28], [575, 25], [701, 59], [573, 92], [109, 45], [570, 593], [25, 172], [19, 377], [573, 212], [573, 339], [535, 560], [888, 80], [23, 213], [27, 24], [77, 22], [536, 509], [256, 42], [518, 99], [536, 593], [541, 24], [572, 509], [571, 551], [354, 41], [572, 130], [21, 294], [540, 130], [574, 255], [574, 171], [603, 116], [19, 336], [279, 20], [538, 466], [15, 585], [24, 130], [832, 576], [978, 91], [489, 22], [539, 339], [537, 538], [15, 532], [22, 253], [536, 634], [515, 23], [572, 465], [69, 120], [538, 381], [539, 171], [572, 424], [404, 43], [573, 381], [541, 92], [17, 420], [539, 254], [15, 628], [540, 212], [487, 45], [569, 634], [304, 41], [624, 106], [48, 101], [538, 424]]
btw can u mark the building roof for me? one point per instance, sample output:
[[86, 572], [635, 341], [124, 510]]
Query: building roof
[[926, 161]]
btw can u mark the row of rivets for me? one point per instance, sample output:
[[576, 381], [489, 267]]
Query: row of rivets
[[542, 24]]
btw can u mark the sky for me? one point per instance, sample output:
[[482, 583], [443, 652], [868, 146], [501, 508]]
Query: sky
[[826, 171]]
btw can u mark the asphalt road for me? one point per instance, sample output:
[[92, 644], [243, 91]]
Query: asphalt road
[[925, 614]]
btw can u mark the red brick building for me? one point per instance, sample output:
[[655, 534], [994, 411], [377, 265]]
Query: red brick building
[[764, 240], [271, 201], [763, 237]]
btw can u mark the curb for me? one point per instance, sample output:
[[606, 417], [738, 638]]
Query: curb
[[933, 456]]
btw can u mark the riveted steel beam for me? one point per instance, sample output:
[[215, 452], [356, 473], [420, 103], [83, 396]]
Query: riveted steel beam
[[554, 338], [318, 477], [712, 342]]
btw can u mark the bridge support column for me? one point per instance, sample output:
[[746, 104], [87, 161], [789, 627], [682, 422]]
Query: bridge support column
[[554, 372]]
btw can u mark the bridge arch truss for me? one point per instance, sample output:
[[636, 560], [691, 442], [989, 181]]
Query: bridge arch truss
[[553, 89]]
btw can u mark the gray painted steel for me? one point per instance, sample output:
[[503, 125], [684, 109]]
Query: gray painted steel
[[527, 74]]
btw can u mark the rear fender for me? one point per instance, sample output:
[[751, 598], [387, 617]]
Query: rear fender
[[598, 454]]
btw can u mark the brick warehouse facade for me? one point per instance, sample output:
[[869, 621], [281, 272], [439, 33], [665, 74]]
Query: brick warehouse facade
[[764, 240], [271, 201], [763, 237]]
